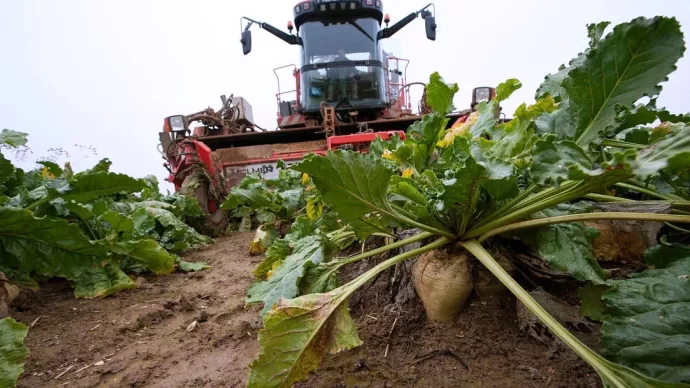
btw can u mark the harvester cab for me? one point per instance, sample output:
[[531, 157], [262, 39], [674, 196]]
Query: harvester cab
[[342, 61]]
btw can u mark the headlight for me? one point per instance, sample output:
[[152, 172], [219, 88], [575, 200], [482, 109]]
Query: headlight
[[482, 94], [177, 123]]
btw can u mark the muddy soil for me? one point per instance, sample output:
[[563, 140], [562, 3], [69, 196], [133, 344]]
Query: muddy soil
[[147, 337]]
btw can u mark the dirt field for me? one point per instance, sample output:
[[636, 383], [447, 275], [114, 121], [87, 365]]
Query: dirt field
[[139, 338]]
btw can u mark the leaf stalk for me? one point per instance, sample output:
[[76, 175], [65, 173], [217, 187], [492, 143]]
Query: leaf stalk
[[593, 359], [585, 217]]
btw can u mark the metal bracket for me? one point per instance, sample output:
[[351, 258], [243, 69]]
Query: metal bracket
[[329, 120]]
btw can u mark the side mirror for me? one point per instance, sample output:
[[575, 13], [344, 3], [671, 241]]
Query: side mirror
[[246, 42], [430, 26]]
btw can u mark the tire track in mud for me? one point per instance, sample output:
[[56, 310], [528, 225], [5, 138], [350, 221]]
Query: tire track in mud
[[141, 335]]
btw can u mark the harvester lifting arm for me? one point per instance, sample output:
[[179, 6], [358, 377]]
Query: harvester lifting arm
[[427, 15], [284, 36]]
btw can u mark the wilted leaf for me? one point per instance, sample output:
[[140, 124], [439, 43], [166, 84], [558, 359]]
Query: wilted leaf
[[298, 333], [278, 251], [314, 208], [282, 247], [265, 235]]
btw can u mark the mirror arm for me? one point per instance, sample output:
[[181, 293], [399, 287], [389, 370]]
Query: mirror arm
[[249, 24], [284, 36], [390, 31]]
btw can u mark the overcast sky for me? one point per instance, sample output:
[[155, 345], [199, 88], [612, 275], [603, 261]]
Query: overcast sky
[[104, 74]]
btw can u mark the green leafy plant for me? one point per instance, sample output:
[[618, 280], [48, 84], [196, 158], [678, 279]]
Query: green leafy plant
[[486, 177], [88, 227], [645, 316], [275, 204], [283, 197], [12, 351]]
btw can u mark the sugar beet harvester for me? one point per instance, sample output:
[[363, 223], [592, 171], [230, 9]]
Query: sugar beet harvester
[[348, 91]]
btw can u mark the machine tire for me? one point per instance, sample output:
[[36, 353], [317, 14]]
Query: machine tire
[[217, 222], [198, 188]]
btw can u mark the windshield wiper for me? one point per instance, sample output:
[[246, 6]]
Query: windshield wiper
[[357, 26]]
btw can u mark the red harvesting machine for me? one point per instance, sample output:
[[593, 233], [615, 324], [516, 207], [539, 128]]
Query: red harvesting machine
[[347, 91]]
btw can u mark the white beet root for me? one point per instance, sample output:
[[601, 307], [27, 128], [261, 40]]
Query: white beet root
[[8, 293], [444, 283]]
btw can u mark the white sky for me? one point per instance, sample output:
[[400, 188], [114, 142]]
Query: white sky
[[105, 73]]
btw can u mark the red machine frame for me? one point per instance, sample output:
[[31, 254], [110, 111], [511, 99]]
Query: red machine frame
[[191, 153], [333, 142]]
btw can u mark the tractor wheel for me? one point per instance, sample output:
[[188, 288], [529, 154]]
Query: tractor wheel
[[197, 187]]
